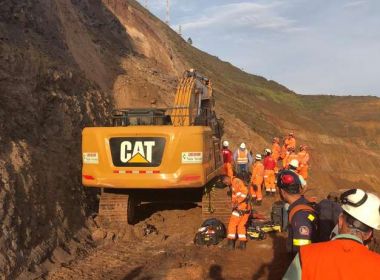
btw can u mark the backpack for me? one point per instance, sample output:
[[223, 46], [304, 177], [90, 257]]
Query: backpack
[[211, 232], [327, 213]]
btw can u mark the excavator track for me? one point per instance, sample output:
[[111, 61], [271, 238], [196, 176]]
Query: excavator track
[[216, 203], [117, 208]]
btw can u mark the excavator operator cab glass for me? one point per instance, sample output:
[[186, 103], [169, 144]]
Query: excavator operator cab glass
[[134, 117]]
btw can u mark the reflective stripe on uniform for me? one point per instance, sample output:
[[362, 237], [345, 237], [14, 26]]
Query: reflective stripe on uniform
[[235, 213], [238, 193], [243, 195], [241, 235], [231, 235], [311, 217], [301, 242]]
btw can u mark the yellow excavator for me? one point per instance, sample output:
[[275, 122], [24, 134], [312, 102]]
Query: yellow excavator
[[155, 154]]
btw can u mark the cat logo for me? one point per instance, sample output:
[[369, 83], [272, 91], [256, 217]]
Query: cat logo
[[137, 151], [140, 152]]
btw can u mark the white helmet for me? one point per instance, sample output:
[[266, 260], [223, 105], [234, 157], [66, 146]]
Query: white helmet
[[294, 163], [258, 157], [363, 206], [243, 146], [225, 143], [268, 151]]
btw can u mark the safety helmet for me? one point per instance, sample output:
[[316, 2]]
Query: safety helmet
[[363, 206], [267, 151], [225, 143], [294, 163], [289, 182], [258, 157], [243, 146]]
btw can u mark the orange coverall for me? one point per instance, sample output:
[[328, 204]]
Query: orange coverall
[[303, 158], [240, 211], [257, 180], [276, 151], [289, 158], [290, 143]]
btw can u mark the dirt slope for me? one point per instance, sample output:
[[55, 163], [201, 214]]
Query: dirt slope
[[65, 64]]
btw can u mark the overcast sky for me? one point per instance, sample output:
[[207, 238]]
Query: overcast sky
[[310, 46]]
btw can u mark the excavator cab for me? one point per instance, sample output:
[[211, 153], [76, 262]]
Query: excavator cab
[[136, 117]]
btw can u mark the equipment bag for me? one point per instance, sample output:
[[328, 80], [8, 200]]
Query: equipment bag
[[211, 232], [277, 214]]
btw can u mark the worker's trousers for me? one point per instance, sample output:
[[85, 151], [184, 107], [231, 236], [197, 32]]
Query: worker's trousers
[[240, 168], [236, 226], [269, 179], [256, 189], [228, 169]]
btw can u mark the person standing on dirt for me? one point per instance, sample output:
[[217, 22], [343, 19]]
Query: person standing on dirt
[[290, 141], [269, 173], [302, 218], [227, 159], [257, 179], [303, 158], [242, 159], [241, 210], [276, 149], [346, 256]]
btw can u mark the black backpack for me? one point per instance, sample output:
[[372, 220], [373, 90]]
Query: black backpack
[[211, 232]]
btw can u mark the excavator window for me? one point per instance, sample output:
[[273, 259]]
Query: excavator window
[[134, 117]]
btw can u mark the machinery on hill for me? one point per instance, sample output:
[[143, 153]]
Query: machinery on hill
[[152, 155]]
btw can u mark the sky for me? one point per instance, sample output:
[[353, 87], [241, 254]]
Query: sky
[[310, 46]]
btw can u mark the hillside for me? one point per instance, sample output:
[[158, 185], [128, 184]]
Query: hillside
[[66, 64]]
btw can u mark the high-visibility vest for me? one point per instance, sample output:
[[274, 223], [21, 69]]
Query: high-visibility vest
[[242, 157], [339, 259]]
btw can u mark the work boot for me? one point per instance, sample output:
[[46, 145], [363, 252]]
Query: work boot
[[267, 193], [259, 202], [273, 193], [231, 244], [242, 245]]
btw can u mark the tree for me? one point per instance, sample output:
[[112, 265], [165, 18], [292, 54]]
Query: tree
[[189, 41]]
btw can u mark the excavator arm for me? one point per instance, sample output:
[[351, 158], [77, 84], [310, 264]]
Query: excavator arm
[[194, 103]]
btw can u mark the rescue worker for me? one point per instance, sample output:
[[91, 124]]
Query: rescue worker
[[301, 216], [276, 149], [290, 141], [291, 155], [293, 166], [269, 170], [345, 256], [241, 210], [303, 158], [227, 159], [257, 179], [242, 159]]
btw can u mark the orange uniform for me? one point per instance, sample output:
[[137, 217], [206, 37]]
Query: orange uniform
[[276, 151], [257, 180], [342, 258], [303, 158], [289, 158], [240, 211], [290, 143]]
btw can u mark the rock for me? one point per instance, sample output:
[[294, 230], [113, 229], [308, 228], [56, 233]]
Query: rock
[[98, 235]]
